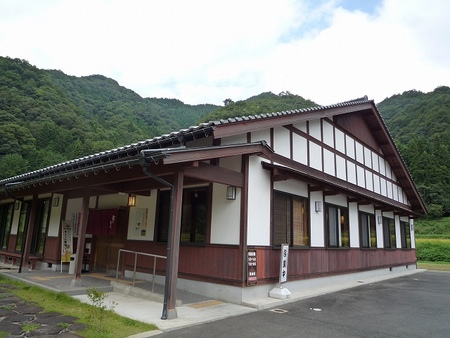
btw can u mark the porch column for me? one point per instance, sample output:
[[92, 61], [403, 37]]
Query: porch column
[[28, 233], [175, 245], [81, 237]]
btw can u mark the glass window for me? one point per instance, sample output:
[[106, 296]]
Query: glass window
[[337, 226], [290, 220], [405, 232], [40, 227], [194, 215], [367, 230], [23, 219], [389, 233], [6, 216]]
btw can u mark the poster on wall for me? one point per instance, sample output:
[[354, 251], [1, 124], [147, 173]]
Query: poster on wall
[[140, 227], [66, 242]]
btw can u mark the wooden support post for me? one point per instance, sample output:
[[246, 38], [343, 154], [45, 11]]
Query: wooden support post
[[175, 245], [81, 237]]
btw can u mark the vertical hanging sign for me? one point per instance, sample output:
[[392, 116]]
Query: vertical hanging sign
[[284, 263], [67, 241], [252, 279]]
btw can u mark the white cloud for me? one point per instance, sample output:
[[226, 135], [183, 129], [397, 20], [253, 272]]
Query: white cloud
[[205, 51]]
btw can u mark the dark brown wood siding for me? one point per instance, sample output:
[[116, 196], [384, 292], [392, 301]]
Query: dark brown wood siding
[[324, 262]]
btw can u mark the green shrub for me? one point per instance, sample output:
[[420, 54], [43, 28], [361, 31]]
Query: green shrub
[[433, 250]]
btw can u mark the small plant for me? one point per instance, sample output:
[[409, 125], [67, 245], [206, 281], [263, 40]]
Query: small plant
[[98, 299], [30, 327], [63, 325]]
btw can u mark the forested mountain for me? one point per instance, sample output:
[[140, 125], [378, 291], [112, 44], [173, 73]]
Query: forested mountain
[[47, 117], [420, 125]]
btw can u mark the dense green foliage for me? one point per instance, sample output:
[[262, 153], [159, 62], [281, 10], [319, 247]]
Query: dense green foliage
[[432, 227], [419, 123], [433, 250], [47, 117], [261, 104]]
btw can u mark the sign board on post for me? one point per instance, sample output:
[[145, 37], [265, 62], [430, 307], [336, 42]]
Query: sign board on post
[[284, 263], [280, 292], [66, 242], [252, 279]]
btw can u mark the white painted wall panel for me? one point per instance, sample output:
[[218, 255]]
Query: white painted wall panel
[[340, 167], [300, 145], [258, 231], [351, 172], [317, 220], [383, 186], [359, 152], [292, 187], [388, 170], [234, 139], [369, 180], [379, 214], [315, 129], [350, 146], [340, 140], [142, 217], [315, 156], [361, 176], [376, 184], [281, 143], [375, 163], [413, 234], [337, 200], [398, 238], [353, 218], [226, 216], [301, 126], [389, 189], [328, 133], [369, 208], [54, 223], [395, 192], [367, 157], [329, 166], [382, 166], [263, 135]]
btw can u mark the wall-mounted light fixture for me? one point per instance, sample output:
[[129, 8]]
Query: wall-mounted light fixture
[[318, 206], [131, 200], [380, 219], [231, 193], [55, 201], [17, 205]]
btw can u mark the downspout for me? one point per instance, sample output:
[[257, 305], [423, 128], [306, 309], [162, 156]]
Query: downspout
[[169, 235]]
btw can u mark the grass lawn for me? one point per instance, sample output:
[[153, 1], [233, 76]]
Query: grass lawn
[[100, 321], [439, 266]]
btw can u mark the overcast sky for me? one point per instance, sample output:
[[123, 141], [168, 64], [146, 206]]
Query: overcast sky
[[206, 51]]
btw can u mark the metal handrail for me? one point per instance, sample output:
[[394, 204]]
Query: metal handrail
[[136, 253]]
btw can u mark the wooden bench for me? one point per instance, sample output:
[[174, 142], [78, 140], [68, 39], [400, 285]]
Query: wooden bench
[[14, 257]]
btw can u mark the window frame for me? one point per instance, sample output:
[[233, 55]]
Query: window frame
[[24, 217], [405, 235], [389, 236], [339, 226], [163, 216], [371, 226], [6, 219], [290, 220]]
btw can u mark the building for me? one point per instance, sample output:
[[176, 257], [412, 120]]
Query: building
[[219, 199]]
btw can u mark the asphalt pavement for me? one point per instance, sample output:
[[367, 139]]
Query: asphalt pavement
[[415, 305]]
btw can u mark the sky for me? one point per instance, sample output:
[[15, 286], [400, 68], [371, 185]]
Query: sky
[[206, 51]]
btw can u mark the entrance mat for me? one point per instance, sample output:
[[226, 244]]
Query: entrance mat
[[205, 304]]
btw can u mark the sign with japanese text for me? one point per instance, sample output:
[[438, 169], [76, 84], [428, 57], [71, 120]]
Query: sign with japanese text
[[284, 263], [67, 242], [252, 279]]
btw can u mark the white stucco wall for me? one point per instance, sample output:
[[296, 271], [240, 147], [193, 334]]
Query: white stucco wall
[[317, 220], [141, 220], [292, 187], [281, 142], [353, 218], [54, 223], [226, 216], [258, 225]]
